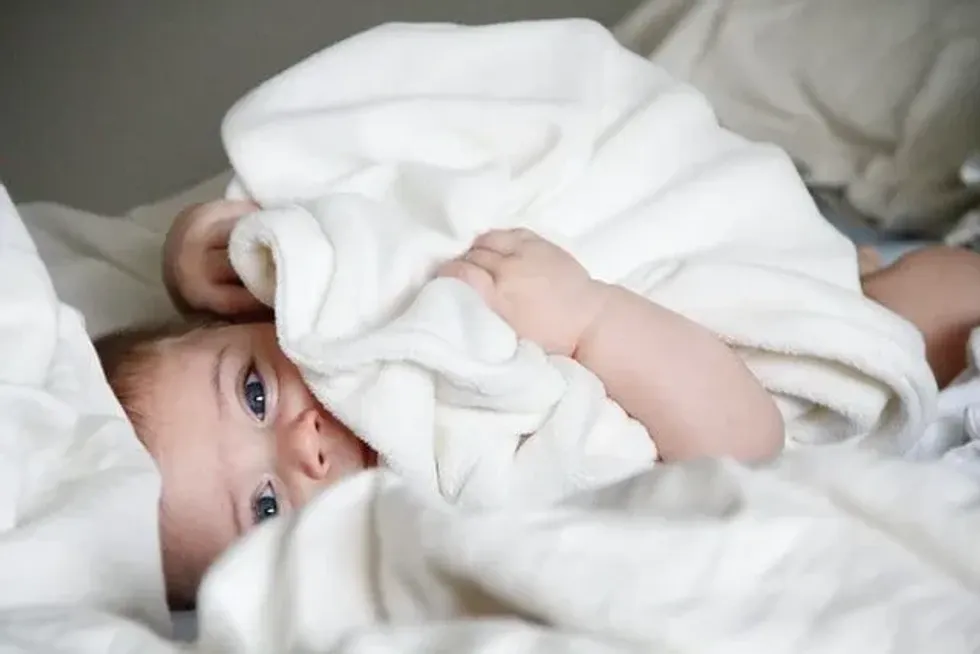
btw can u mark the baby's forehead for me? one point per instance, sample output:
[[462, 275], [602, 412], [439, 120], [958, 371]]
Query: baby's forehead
[[193, 353], [186, 440], [203, 339], [223, 334], [175, 362]]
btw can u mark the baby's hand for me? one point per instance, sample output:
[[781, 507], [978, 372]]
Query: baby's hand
[[542, 292], [196, 268]]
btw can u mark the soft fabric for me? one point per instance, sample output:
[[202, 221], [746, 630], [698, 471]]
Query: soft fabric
[[381, 157], [879, 97], [822, 553], [826, 551], [966, 232], [954, 437], [109, 267], [65, 630], [78, 493]]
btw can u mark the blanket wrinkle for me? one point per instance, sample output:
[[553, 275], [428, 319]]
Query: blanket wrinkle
[[820, 552]]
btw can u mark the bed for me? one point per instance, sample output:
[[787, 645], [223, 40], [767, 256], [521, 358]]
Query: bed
[[119, 255]]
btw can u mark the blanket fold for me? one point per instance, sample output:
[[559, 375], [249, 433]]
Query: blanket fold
[[821, 552], [381, 157]]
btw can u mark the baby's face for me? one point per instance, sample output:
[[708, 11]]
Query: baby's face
[[238, 438]]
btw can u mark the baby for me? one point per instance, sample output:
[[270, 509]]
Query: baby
[[238, 437]]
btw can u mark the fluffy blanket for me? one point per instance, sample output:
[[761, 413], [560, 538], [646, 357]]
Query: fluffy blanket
[[825, 552], [384, 155], [822, 553], [78, 493]]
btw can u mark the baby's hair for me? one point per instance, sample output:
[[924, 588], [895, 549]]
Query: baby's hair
[[128, 358]]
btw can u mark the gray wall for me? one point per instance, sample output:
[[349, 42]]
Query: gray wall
[[108, 103]]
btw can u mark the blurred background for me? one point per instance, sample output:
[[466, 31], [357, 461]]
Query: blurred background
[[111, 103]]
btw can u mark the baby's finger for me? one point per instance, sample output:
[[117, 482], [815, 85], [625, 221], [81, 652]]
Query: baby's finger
[[489, 260], [504, 241], [217, 267], [231, 300]]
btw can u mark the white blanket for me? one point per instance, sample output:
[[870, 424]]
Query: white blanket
[[108, 267], [78, 493], [382, 156], [826, 552]]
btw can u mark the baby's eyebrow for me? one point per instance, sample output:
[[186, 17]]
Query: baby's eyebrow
[[219, 362]]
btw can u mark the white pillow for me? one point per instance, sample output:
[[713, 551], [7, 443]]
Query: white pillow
[[78, 493], [879, 97]]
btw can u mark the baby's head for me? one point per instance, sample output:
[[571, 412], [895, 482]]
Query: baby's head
[[235, 432]]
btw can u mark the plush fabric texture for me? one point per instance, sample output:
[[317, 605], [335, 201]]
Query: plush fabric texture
[[879, 98], [383, 156]]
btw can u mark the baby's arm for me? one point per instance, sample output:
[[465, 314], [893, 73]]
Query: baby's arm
[[692, 393], [937, 289], [690, 390]]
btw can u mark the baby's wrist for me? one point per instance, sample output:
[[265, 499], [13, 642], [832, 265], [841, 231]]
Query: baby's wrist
[[596, 303]]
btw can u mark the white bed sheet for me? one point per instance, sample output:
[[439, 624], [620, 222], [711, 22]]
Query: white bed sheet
[[108, 267], [78, 493]]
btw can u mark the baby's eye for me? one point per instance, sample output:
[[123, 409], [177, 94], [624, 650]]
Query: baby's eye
[[253, 390], [265, 503]]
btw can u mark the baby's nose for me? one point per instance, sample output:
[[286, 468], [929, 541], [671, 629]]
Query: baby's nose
[[307, 444]]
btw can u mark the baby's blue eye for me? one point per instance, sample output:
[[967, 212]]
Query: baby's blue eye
[[253, 389], [265, 503]]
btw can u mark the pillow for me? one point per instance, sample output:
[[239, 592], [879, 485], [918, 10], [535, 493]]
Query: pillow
[[78, 493], [878, 97]]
